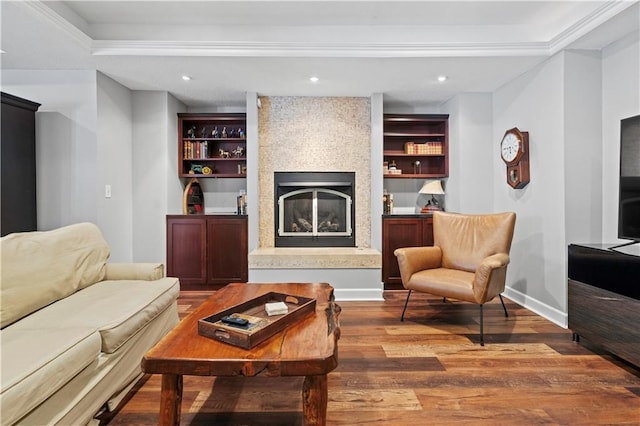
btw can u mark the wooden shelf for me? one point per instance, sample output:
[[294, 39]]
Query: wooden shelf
[[214, 139], [427, 132], [413, 176], [214, 175], [196, 146], [402, 154], [216, 159], [413, 135]]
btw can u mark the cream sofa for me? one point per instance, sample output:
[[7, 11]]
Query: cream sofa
[[74, 328]]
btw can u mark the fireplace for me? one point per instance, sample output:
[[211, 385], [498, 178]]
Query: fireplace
[[314, 209]]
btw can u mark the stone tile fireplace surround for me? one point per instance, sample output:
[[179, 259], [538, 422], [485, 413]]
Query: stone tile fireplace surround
[[302, 134]]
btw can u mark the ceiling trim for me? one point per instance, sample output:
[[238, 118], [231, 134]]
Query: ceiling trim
[[346, 49], [587, 24], [54, 18], [327, 49]]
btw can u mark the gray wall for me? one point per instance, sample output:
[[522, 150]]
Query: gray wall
[[620, 99], [469, 188], [536, 275], [574, 137], [114, 167], [154, 150]]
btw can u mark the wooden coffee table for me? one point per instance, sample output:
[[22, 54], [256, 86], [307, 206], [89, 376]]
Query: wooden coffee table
[[307, 348]]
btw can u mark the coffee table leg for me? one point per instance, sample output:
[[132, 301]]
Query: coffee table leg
[[314, 400], [170, 399]]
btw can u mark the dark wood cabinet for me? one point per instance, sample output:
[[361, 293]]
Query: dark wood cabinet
[[18, 154], [402, 231], [416, 146], [212, 145], [207, 252], [604, 299]]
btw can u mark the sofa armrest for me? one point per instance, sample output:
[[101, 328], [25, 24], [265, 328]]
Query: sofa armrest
[[414, 259], [134, 271]]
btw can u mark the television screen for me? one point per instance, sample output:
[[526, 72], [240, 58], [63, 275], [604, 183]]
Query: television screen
[[629, 193]]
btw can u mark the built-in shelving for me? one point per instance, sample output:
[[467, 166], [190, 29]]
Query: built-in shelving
[[212, 145], [416, 146]]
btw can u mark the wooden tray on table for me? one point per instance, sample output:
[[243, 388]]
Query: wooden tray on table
[[261, 326]]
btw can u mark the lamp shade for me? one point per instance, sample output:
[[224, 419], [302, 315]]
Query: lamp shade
[[432, 187]]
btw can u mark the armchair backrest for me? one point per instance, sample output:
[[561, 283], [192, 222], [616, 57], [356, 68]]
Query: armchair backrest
[[465, 240]]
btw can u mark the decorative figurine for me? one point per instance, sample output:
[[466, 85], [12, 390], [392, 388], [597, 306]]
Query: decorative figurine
[[240, 133], [224, 132], [191, 133], [238, 152], [203, 133], [224, 154], [232, 133], [214, 132]]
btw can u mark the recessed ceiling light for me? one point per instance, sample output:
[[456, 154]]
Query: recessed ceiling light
[[442, 78], [186, 77], [314, 79]]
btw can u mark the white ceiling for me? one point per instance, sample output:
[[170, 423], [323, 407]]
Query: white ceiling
[[356, 48]]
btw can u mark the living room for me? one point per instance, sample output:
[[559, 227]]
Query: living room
[[571, 103], [94, 131]]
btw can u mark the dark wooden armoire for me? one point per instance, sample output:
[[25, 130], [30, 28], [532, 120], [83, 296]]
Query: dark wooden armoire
[[18, 162]]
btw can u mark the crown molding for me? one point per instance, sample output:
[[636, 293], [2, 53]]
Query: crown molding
[[587, 24], [304, 49], [54, 18], [327, 49]]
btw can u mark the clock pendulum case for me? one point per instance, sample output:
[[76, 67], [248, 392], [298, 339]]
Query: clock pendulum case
[[514, 150]]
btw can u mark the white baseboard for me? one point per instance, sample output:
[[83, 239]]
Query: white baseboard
[[552, 314]]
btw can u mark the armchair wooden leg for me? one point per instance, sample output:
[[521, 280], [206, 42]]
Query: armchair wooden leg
[[405, 305], [506, 314], [481, 327]]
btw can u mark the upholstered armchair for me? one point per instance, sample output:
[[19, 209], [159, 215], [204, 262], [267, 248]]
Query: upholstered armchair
[[467, 262]]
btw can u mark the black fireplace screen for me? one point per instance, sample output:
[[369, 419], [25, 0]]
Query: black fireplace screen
[[314, 209]]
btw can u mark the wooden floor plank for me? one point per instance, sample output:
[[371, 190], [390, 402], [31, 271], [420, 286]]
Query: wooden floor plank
[[428, 369]]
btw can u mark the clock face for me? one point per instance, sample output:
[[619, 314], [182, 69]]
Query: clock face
[[509, 147]]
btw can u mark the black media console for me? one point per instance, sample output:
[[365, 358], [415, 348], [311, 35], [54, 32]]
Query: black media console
[[604, 299]]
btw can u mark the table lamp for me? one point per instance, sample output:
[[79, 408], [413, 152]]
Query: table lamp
[[432, 187]]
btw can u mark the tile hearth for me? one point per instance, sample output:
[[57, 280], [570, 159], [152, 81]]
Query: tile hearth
[[355, 273]]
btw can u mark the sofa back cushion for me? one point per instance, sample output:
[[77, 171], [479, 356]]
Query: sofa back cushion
[[41, 267]]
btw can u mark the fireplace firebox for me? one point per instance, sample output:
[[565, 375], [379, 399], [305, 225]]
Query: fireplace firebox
[[314, 209]]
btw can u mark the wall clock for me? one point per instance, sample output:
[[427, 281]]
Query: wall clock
[[514, 150]]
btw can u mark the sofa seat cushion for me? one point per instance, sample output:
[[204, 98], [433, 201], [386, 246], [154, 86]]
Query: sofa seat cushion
[[117, 309], [37, 362]]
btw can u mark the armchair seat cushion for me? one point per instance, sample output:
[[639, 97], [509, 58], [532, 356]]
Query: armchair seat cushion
[[450, 283]]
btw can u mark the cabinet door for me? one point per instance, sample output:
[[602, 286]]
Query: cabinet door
[[227, 242], [186, 251], [397, 233]]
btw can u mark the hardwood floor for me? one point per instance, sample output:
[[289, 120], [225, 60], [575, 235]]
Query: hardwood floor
[[429, 369]]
